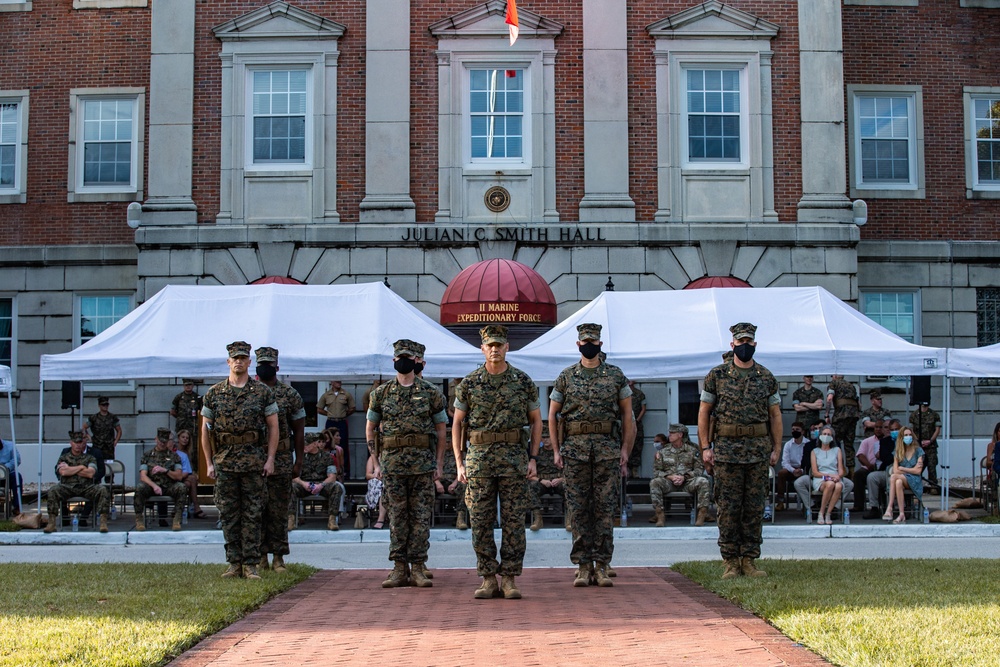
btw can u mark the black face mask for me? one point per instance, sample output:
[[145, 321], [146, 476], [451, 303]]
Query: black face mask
[[418, 367], [404, 365], [590, 350], [744, 351], [266, 372], [796, 434]]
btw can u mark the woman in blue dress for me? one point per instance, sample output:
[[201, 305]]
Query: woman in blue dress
[[907, 466]]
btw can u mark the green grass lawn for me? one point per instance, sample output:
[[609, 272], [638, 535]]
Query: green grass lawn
[[912, 613], [121, 614]]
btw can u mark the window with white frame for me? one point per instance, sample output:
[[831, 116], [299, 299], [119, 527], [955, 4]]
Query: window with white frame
[[15, 5], [886, 145], [715, 110], [279, 116], [94, 314], [497, 115], [7, 334], [13, 146], [106, 144], [982, 106], [898, 312]]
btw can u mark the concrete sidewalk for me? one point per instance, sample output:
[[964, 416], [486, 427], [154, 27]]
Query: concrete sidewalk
[[651, 616]]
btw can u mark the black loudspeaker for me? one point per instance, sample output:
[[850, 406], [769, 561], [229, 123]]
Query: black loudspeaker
[[72, 395], [920, 389]]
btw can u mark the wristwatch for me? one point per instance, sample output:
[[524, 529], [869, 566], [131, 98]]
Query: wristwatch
[[532, 458]]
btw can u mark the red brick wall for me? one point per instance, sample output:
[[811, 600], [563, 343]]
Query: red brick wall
[[941, 47], [48, 51]]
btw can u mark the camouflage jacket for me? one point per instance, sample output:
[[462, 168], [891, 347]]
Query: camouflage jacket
[[741, 396], [290, 408], [924, 423], [842, 389], [875, 415], [684, 460], [239, 411], [810, 395], [591, 394], [316, 467], [497, 403], [76, 482], [187, 407], [638, 398], [409, 410], [102, 431], [546, 464], [166, 459]]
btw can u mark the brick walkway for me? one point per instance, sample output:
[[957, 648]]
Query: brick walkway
[[651, 616]]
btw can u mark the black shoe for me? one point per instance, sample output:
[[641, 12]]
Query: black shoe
[[164, 523], [872, 513]]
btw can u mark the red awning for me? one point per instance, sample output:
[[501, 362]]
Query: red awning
[[498, 290], [716, 281], [280, 280]]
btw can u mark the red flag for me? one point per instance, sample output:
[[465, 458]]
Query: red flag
[[511, 20]]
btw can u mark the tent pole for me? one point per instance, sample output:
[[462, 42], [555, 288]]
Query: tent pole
[[972, 411], [41, 396], [947, 443], [13, 438]]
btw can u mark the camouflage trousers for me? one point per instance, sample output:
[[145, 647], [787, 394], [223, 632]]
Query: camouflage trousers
[[409, 500], [635, 456], [481, 496], [740, 494], [240, 498], [97, 494], [845, 439], [659, 487], [176, 490], [931, 462], [333, 492], [536, 491], [274, 522], [592, 493]]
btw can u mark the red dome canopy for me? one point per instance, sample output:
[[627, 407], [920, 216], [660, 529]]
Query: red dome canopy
[[716, 281], [280, 280], [498, 290]]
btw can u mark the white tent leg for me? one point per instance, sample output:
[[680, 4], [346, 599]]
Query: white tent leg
[[41, 419], [946, 477]]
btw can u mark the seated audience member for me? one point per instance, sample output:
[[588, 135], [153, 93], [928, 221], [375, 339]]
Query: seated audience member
[[160, 474], [678, 467], [190, 478], [867, 463], [449, 483], [791, 463], [9, 456], [827, 470], [991, 462], [77, 471], [803, 484], [331, 443], [548, 481], [317, 478], [907, 466], [374, 495], [878, 480]]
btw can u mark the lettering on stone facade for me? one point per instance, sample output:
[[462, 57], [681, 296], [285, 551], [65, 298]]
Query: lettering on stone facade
[[440, 234]]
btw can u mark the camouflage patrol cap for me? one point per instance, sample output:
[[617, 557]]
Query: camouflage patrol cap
[[76, 436], [404, 347], [238, 348], [266, 354], [588, 331], [875, 393], [163, 434], [419, 349], [103, 400], [493, 333], [188, 381], [679, 428], [743, 330], [311, 438]]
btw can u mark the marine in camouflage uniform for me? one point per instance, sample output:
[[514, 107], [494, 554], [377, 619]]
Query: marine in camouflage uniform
[[291, 429], [639, 411], [320, 473], [807, 393], [104, 428], [680, 458], [76, 484], [184, 408], [409, 414], [160, 468], [926, 425], [744, 396], [449, 483], [547, 471], [499, 400], [592, 402], [875, 413], [846, 411], [240, 437]]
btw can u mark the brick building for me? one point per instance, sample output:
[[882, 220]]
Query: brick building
[[655, 143]]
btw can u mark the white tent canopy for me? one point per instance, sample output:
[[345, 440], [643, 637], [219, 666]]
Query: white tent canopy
[[319, 330], [683, 333], [979, 362]]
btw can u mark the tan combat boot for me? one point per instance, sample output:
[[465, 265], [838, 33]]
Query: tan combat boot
[[291, 522], [250, 572], [427, 572], [702, 516], [264, 565], [610, 570], [732, 569], [278, 564], [749, 569], [536, 520], [462, 521], [509, 588], [235, 570], [53, 524], [601, 576], [177, 524], [331, 523], [104, 524], [582, 578], [140, 522], [418, 578], [661, 521], [488, 589], [400, 576]]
